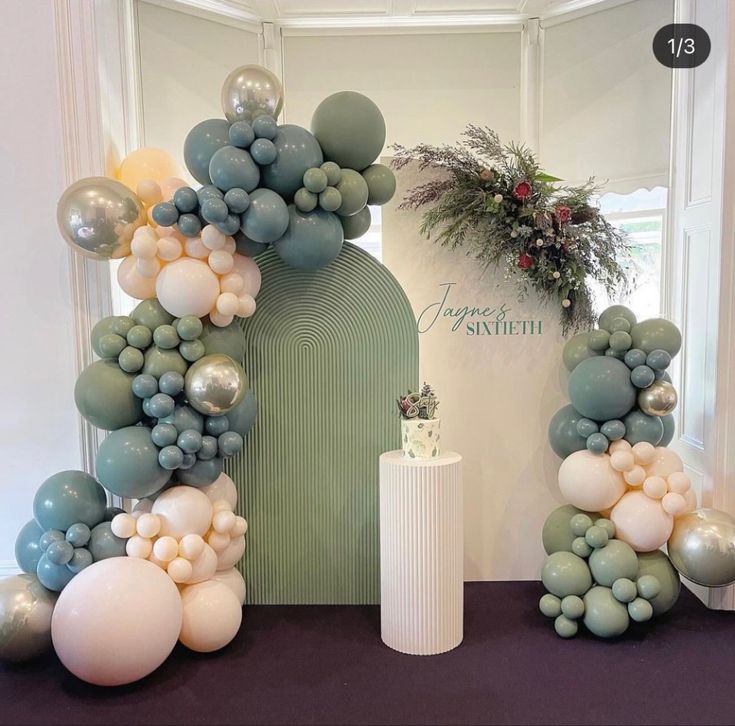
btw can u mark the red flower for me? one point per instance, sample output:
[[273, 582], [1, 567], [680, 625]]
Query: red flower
[[563, 214], [522, 190], [525, 261]]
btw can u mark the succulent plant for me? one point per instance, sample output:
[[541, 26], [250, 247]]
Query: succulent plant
[[418, 405]]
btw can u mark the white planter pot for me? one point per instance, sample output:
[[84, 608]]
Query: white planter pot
[[421, 438]]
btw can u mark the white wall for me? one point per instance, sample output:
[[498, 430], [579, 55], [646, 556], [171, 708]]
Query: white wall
[[606, 99], [39, 431], [184, 61]]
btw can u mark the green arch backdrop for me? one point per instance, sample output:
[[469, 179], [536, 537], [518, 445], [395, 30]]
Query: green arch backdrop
[[326, 354]]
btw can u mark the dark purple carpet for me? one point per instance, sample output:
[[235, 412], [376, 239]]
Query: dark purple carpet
[[327, 665]]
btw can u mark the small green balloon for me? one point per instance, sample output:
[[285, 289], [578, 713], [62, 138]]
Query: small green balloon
[[166, 337], [596, 537], [617, 559], [159, 361], [640, 610], [576, 350], [315, 181], [598, 340], [131, 360], [27, 549], [579, 524], [333, 172], [624, 590], [658, 565], [104, 396], [620, 341], [381, 183], [550, 605], [189, 327], [111, 345], [304, 200], [565, 574], [609, 316], [112, 325], [67, 498], [103, 543], [648, 586], [656, 334], [192, 350], [139, 336], [564, 627], [572, 606], [581, 548], [184, 418], [607, 525], [604, 616], [620, 325], [151, 314], [563, 434], [354, 191], [356, 225], [557, 535], [330, 199]]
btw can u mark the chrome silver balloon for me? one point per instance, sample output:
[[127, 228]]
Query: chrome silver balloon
[[659, 399], [97, 216], [25, 618], [251, 91], [215, 384], [702, 547]]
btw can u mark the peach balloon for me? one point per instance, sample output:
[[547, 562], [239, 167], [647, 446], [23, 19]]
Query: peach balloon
[[211, 616], [221, 321], [664, 462], [222, 488], [589, 482], [247, 268], [149, 191], [234, 580], [170, 185], [144, 164], [641, 522], [116, 621], [187, 287], [644, 452], [183, 510], [132, 282], [204, 566], [232, 554], [635, 477]]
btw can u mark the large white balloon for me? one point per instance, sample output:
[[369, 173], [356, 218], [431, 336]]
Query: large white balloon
[[234, 580], [183, 510], [641, 522], [116, 621], [212, 616], [589, 482], [231, 554], [222, 488], [187, 287]]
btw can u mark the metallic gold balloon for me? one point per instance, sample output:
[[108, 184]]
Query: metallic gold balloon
[[659, 399], [702, 547], [97, 217], [251, 91], [25, 618], [215, 384]]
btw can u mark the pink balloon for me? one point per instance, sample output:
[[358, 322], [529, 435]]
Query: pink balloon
[[132, 282], [588, 481], [641, 522], [187, 287]]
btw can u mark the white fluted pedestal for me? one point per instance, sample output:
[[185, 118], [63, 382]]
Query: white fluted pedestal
[[421, 553]]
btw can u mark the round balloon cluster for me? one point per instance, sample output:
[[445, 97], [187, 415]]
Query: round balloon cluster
[[598, 580]]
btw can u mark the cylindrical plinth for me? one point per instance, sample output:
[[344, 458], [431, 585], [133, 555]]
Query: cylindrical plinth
[[421, 553]]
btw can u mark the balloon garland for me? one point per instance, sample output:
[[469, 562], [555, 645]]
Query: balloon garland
[[169, 385], [628, 494]]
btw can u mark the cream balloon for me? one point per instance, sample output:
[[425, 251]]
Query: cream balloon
[[116, 621], [132, 282], [183, 510], [641, 522], [248, 269], [664, 462], [232, 554], [211, 616], [589, 482], [222, 488], [203, 567], [234, 580], [144, 164], [187, 287], [170, 185]]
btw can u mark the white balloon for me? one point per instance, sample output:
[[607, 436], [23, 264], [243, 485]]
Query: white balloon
[[138, 546], [246, 305], [227, 304], [204, 566], [211, 616], [232, 554], [248, 269], [144, 246], [123, 526], [183, 510], [165, 549], [212, 238], [148, 525], [223, 521], [187, 287], [641, 521], [588, 481], [234, 580], [116, 621], [221, 321], [179, 569], [220, 261], [132, 282], [665, 462], [221, 488], [191, 546]]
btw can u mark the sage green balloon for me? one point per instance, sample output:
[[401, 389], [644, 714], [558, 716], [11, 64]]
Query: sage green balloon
[[669, 424], [25, 618], [350, 129], [112, 325], [604, 616], [640, 426], [550, 605], [615, 311], [557, 535], [242, 417], [656, 334], [27, 550], [600, 388], [381, 182], [229, 340], [566, 574], [640, 610], [151, 314], [564, 627], [103, 543], [572, 606], [576, 350], [356, 225], [354, 191], [658, 564], [104, 396], [69, 497], [127, 463], [615, 560], [598, 340], [159, 361], [563, 435]]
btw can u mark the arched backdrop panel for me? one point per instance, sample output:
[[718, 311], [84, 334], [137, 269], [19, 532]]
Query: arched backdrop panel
[[327, 354]]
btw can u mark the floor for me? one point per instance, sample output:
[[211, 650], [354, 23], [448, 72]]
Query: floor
[[327, 665]]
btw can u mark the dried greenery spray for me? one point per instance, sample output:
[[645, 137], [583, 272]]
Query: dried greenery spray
[[418, 405]]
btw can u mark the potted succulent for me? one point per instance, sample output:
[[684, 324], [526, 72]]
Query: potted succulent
[[420, 429]]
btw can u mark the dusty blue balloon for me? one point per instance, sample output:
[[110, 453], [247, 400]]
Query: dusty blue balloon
[[81, 558], [232, 168], [59, 553], [161, 405], [144, 386], [586, 427], [170, 457], [659, 360], [597, 443], [563, 435], [230, 443], [208, 449], [241, 134], [172, 382], [265, 127], [356, 225], [242, 417], [69, 497], [635, 357], [312, 240], [669, 425], [103, 543], [297, 151], [103, 394], [263, 152], [203, 472], [78, 534], [186, 200], [215, 210], [112, 512], [127, 463], [230, 225], [237, 200], [600, 388], [165, 214], [304, 200], [164, 434], [189, 441], [613, 430], [49, 537], [209, 192], [266, 219], [188, 461], [642, 376], [642, 427], [27, 549], [53, 577], [248, 247], [216, 425], [183, 418], [189, 225], [200, 145]]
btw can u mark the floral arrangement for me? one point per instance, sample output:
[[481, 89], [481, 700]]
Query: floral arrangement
[[418, 405], [497, 201]]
